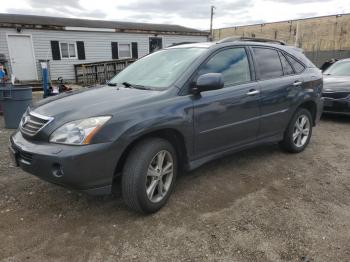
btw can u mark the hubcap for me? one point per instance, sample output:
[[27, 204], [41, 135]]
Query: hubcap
[[159, 176], [301, 131]]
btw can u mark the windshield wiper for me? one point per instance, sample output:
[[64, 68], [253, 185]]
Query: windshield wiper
[[111, 84], [129, 85]]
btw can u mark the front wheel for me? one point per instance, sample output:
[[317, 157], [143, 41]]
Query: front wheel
[[298, 133], [149, 175]]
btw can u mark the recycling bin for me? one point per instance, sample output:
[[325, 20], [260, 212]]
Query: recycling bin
[[14, 102]]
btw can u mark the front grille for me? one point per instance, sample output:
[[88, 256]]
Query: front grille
[[338, 106], [336, 95], [32, 123]]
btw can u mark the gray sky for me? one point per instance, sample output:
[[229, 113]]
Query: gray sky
[[190, 13]]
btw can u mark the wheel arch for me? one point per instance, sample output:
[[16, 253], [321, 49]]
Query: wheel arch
[[311, 106], [173, 136]]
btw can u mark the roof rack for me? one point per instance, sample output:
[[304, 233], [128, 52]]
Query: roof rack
[[182, 43], [250, 39]]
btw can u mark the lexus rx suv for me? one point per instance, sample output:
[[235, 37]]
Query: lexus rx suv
[[170, 112]]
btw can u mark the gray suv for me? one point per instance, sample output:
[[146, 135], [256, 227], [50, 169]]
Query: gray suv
[[169, 112]]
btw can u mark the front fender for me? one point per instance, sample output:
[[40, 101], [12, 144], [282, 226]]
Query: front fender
[[175, 114]]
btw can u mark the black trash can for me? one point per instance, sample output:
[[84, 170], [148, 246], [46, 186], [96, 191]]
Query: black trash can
[[14, 102]]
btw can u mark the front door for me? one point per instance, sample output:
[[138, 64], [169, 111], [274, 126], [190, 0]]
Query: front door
[[228, 117], [22, 57]]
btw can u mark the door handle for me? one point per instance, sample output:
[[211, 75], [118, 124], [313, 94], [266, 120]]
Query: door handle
[[253, 92], [297, 83]]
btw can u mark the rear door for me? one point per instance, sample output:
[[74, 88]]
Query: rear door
[[278, 85], [227, 117]]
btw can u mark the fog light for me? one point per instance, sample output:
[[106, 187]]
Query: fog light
[[57, 170]]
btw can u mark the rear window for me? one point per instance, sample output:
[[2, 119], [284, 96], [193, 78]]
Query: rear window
[[298, 67], [287, 68], [268, 63]]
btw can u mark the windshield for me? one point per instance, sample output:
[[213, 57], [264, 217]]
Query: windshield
[[158, 70], [339, 69]]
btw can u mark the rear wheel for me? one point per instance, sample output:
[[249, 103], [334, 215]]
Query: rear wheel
[[149, 175], [298, 133]]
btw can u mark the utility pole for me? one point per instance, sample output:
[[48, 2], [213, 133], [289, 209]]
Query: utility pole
[[296, 43], [211, 22]]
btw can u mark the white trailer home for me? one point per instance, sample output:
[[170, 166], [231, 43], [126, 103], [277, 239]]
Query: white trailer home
[[26, 39]]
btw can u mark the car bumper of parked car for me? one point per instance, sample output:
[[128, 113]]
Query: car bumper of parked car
[[337, 105], [88, 168]]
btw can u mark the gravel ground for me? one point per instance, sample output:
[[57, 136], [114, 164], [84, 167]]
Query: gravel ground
[[257, 205]]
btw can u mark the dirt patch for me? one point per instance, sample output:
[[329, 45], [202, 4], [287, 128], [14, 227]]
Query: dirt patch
[[257, 205]]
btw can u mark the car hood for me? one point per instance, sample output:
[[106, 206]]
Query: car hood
[[91, 102], [336, 83]]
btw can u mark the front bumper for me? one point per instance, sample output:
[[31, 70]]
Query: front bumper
[[337, 105], [88, 168]]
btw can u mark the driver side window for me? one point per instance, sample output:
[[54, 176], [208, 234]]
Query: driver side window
[[231, 63]]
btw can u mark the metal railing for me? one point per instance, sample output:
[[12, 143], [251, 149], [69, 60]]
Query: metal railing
[[99, 72]]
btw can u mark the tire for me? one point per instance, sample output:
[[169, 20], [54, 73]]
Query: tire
[[142, 171], [290, 143]]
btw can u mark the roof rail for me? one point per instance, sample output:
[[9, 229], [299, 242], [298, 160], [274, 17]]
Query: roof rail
[[250, 39], [182, 43]]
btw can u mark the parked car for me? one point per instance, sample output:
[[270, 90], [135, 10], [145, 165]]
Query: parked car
[[327, 64], [170, 111], [336, 93]]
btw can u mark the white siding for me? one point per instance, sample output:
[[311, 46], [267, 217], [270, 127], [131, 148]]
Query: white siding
[[97, 46], [3, 46]]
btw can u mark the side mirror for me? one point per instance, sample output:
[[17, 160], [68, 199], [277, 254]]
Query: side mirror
[[207, 82]]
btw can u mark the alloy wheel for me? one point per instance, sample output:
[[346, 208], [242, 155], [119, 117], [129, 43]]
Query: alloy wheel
[[301, 131], [159, 176]]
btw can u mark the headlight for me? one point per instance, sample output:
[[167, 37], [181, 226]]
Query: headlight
[[79, 132]]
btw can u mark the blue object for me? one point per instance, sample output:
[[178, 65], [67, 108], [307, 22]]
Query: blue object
[[45, 74], [2, 74]]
